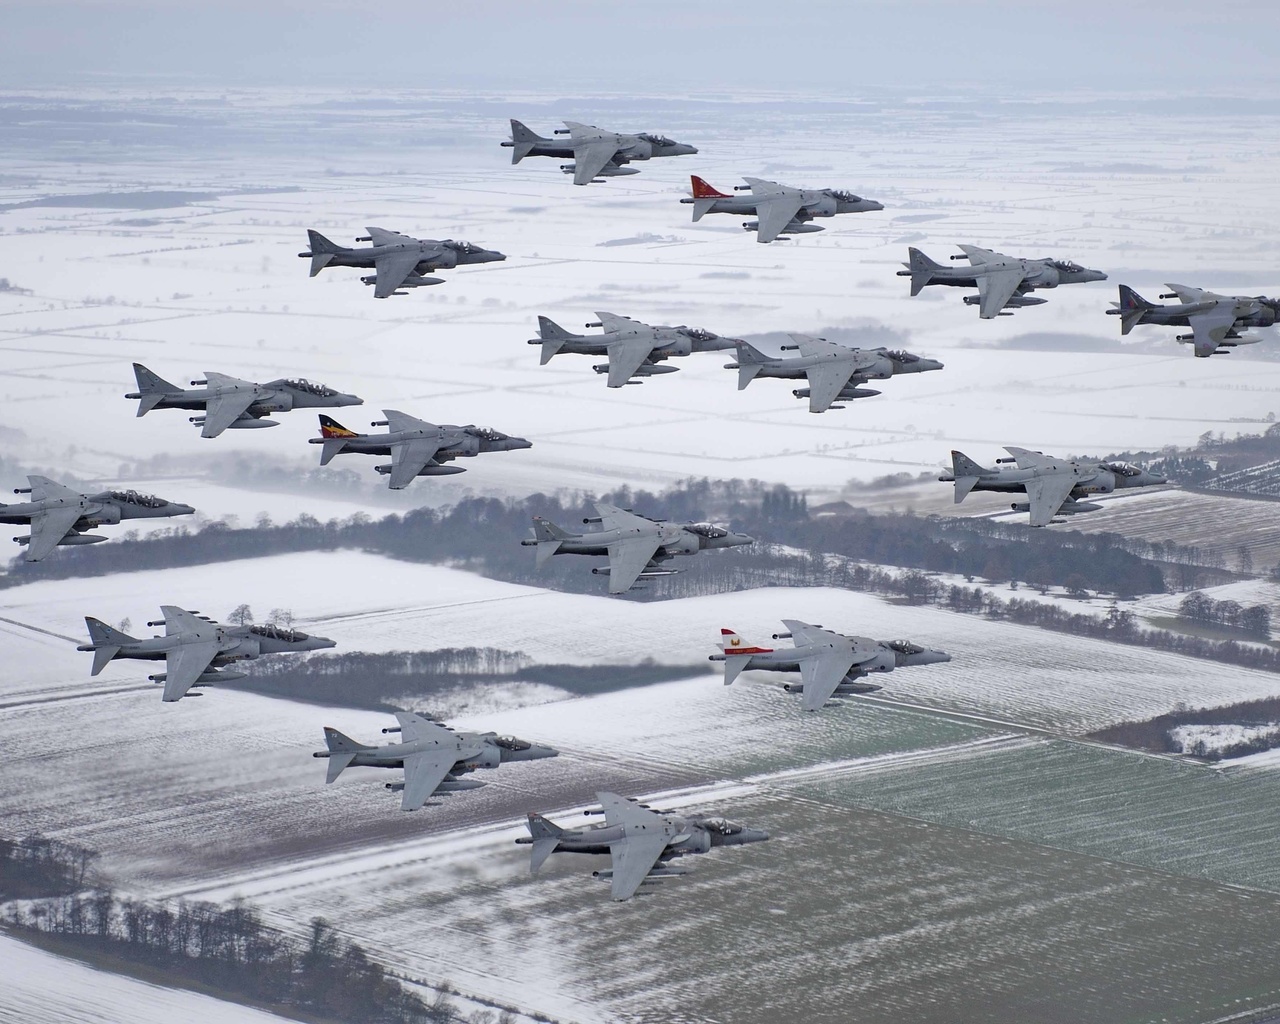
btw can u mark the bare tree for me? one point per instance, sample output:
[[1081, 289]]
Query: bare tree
[[241, 616]]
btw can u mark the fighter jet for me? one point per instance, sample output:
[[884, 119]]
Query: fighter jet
[[1215, 320], [1053, 486], [1003, 282], [398, 261], [232, 403], [636, 546], [57, 515], [416, 447], [834, 372], [780, 210], [432, 756], [640, 841], [829, 663], [596, 154], [194, 648], [633, 349]]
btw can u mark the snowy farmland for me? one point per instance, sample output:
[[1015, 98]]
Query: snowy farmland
[[947, 849]]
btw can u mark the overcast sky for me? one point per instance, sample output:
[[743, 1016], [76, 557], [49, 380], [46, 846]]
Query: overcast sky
[[652, 46]]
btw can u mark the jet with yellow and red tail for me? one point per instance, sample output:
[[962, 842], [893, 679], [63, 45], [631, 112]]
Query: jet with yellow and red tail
[[416, 447]]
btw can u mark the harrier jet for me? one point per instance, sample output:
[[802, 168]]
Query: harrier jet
[[1215, 320], [636, 546], [398, 261], [1053, 486], [195, 648], [416, 447], [232, 403], [779, 209], [432, 756], [834, 372], [57, 515], [633, 349], [595, 153], [1003, 282], [829, 663], [641, 842]]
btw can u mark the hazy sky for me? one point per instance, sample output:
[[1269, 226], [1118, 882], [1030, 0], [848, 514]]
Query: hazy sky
[[653, 46]]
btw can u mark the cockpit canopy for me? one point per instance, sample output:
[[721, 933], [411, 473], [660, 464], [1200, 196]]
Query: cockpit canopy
[[466, 247], [844, 196], [310, 387], [723, 826], [511, 743], [901, 355], [486, 433], [697, 333], [1066, 266], [709, 530], [132, 497], [904, 647], [1122, 468], [272, 632], [655, 140]]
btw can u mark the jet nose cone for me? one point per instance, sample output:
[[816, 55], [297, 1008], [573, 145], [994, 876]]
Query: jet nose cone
[[517, 443], [742, 538], [319, 643], [350, 400], [537, 753], [754, 835], [178, 509], [492, 256], [872, 206]]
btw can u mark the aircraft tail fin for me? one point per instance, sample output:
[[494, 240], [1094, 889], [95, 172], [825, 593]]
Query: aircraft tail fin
[[105, 642], [335, 437], [322, 251], [549, 537], [553, 338], [704, 196], [151, 389], [342, 751], [523, 140], [1132, 307], [966, 472], [922, 269], [546, 837], [750, 362], [737, 652]]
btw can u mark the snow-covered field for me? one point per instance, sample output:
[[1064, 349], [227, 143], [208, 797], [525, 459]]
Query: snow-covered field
[[41, 988], [924, 839]]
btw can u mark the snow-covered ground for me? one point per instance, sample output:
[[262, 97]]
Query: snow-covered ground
[[43, 988], [1219, 737]]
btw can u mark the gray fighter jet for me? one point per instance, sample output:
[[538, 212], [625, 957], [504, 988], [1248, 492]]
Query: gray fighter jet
[[398, 261], [432, 756], [1003, 282], [640, 841], [596, 153], [232, 403], [780, 210], [829, 663], [58, 515], [1053, 486], [633, 349], [834, 372], [194, 648], [1215, 320], [416, 447], [636, 546]]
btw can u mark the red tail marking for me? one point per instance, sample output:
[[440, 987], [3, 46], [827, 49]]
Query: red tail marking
[[701, 190]]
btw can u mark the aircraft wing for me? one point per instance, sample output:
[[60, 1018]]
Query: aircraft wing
[[409, 458], [392, 269], [179, 620], [422, 774], [614, 324], [1046, 495], [626, 356], [633, 859], [1187, 294], [1211, 326], [414, 727], [222, 410], [774, 211], [614, 518], [822, 673], [827, 381], [398, 421], [381, 236], [628, 559], [42, 487], [803, 633], [978, 255], [185, 664], [590, 158], [995, 289], [48, 528], [1027, 459]]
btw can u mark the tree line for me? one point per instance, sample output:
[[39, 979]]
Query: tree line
[[1253, 619], [226, 948], [1156, 734]]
